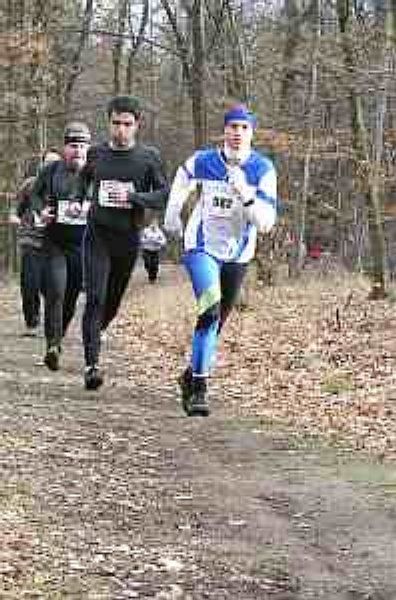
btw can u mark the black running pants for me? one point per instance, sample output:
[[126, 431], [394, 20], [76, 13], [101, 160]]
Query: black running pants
[[106, 276], [63, 283], [32, 284]]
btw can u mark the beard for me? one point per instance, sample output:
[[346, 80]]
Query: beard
[[76, 164]]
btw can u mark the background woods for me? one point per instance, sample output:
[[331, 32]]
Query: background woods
[[319, 74]]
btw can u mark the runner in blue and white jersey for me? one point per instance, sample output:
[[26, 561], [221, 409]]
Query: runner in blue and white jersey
[[236, 188]]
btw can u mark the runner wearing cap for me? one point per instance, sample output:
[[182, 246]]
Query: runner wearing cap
[[236, 198], [54, 198]]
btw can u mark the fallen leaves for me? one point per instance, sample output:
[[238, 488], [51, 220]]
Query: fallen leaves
[[317, 355], [114, 496]]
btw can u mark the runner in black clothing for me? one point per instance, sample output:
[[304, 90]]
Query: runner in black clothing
[[30, 239], [126, 177], [54, 197]]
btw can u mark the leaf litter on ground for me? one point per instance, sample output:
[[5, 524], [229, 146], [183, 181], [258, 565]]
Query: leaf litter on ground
[[316, 355]]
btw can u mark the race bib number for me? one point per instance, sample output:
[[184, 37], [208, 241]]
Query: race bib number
[[219, 201], [115, 194], [64, 218], [222, 203]]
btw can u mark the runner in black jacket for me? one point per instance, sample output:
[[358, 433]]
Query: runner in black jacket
[[124, 177], [55, 199], [30, 239]]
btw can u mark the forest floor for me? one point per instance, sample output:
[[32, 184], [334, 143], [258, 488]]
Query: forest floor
[[286, 492]]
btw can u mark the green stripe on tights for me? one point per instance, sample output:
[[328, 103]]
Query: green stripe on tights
[[209, 297]]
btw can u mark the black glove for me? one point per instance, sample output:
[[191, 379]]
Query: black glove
[[136, 200]]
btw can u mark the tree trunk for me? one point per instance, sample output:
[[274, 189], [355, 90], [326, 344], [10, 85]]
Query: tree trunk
[[129, 73], [309, 149], [369, 176], [119, 45], [136, 41], [237, 84], [293, 37], [295, 18], [198, 76], [77, 57], [376, 219]]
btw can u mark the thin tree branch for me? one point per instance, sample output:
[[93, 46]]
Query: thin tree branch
[[76, 58]]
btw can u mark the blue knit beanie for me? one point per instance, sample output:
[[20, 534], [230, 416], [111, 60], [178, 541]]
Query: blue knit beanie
[[240, 112]]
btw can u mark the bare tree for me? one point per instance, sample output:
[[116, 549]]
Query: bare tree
[[294, 19], [198, 93], [238, 82], [309, 149], [75, 63], [194, 67], [119, 44], [136, 40], [363, 166]]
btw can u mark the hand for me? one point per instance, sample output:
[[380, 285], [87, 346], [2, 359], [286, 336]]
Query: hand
[[14, 220], [73, 210], [86, 205], [37, 221], [27, 219], [239, 184], [47, 215], [135, 200], [119, 195], [174, 226]]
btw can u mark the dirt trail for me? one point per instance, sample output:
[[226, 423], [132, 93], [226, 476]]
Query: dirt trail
[[117, 495]]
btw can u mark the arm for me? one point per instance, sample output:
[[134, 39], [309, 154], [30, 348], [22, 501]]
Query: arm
[[143, 236], [156, 198], [39, 195], [183, 184], [42, 207], [259, 203], [86, 177], [261, 210], [162, 238], [23, 198], [23, 205]]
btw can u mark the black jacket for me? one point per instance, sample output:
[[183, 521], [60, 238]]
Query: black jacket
[[140, 168], [55, 183]]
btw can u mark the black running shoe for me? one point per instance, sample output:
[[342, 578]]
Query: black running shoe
[[51, 358], [93, 378], [198, 404], [186, 386]]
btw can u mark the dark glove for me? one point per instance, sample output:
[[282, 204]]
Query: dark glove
[[136, 200]]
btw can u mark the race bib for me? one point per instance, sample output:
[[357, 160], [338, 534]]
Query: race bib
[[222, 218], [219, 201], [114, 194], [64, 218]]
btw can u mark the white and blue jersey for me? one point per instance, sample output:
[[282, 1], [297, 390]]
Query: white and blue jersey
[[234, 201]]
